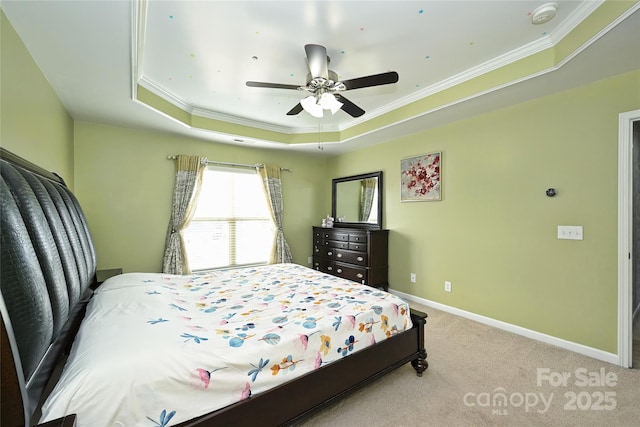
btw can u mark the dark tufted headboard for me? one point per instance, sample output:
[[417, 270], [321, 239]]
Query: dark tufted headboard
[[47, 268]]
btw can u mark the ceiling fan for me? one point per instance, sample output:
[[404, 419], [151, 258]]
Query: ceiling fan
[[323, 85]]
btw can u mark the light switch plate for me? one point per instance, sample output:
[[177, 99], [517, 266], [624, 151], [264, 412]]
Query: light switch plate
[[570, 232]]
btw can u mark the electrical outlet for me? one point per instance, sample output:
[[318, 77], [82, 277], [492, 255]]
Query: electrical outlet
[[413, 277], [309, 260], [447, 286]]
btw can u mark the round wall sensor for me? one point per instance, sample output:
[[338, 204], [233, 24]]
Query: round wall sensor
[[544, 13]]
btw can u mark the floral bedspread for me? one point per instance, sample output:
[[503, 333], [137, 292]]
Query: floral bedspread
[[157, 349]]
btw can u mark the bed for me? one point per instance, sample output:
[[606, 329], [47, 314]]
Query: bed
[[222, 348]]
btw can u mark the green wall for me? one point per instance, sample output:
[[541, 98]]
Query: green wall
[[494, 234], [33, 122], [125, 184]]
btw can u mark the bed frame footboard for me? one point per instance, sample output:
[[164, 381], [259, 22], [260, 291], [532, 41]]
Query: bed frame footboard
[[316, 390], [420, 363]]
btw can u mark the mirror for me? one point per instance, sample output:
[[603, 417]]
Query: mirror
[[356, 201]]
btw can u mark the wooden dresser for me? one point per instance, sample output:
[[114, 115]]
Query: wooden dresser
[[357, 254]]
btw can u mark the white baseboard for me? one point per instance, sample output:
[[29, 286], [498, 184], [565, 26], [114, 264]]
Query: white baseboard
[[538, 336]]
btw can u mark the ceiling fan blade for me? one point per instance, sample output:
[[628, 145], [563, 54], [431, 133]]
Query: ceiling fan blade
[[295, 110], [272, 85], [373, 80], [317, 59], [349, 107]]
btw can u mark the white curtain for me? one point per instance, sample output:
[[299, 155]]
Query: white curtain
[[189, 172], [273, 190]]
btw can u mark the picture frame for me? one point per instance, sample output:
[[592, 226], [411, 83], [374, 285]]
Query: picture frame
[[421, 178]]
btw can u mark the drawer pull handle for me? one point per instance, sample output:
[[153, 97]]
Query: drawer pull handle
[[329, 268], [339, 255], [339, 270], [329, 253], [359, 276], [360, 258], [317, 250]]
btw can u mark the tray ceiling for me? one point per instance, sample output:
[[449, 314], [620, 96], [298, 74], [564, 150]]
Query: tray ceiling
[[181, 66]]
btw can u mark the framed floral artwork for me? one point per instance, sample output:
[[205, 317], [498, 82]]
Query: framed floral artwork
[[420, 178]]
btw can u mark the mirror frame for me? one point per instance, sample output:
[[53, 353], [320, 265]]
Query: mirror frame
[[336, 181]]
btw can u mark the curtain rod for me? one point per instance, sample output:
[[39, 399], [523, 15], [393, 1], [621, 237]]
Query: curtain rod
[[235, 165]]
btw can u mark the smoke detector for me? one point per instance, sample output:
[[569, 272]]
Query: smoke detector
[[544, 13]]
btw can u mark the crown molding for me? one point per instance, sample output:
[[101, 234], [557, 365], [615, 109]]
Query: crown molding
[[579, 15], [549, 41]]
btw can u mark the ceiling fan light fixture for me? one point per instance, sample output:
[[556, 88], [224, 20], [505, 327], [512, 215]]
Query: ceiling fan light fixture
[[311, 106], [328, 101]]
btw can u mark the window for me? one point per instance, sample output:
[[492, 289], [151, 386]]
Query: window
[[232, 225]]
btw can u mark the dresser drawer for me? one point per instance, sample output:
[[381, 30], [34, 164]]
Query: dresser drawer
[[358, 238], [318, 242], [337, 244], [324, 252], [330, 234], [351, 257], [350, 272], [362, 247], [323, 264]]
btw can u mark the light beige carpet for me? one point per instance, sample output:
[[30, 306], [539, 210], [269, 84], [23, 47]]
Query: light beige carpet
[[482, 376]]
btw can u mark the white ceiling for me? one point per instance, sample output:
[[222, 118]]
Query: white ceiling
[[198, 55]]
